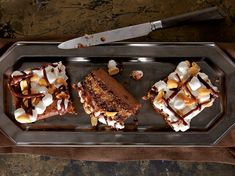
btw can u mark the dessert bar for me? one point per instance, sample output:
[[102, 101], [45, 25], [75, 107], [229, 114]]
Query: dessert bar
[[105, 100], [40, 93], [182, 95]]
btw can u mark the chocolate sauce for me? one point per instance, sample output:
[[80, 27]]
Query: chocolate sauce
[[186, 87], [177, 75], [216, 94], [173, 95], [30, 107], [179, 88], [16, 79], [13, 84], [176, 114], [45, 74], [198, 107]]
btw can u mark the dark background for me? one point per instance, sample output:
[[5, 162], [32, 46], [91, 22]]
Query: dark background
[[46, 18]]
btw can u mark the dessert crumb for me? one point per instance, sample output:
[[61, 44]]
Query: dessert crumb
[[137, 74], [81, 45], [102, 39], [112, 67]]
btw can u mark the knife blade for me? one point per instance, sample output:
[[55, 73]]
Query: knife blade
[[140, 29]]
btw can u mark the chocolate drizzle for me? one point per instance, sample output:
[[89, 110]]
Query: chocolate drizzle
[[178, 89], [45, 74], [198, 107], [15, 82], [215, 93], [186, 87], [176, 114], [30, 107]]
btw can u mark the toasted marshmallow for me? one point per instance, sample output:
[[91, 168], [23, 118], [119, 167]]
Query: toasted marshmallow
[[115, 124], [47, 99], [60, 66], [79, 84], [42, 89], [204, 98], [160, 85], [66, 103], [16, 73], [102, 119], [33, 117], [111, 122], [62, 75], [51, 77], [194, 83], [39, 73], [24, 119], [112, 63], [59, 104], [183, 67], [179, 104], [172, 118], [97, 114], [18, 112], [33, 85], [40, 108], [173, 76], [80, 95], [119, 126], [180, 127]]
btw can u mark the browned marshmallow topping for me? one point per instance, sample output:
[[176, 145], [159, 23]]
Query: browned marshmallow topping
[[40, 92], [183, 95]]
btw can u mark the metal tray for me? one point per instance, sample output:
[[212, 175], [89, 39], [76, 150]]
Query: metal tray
[[156, 60]]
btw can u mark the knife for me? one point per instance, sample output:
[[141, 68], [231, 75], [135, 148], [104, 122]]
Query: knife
[[139, 30]]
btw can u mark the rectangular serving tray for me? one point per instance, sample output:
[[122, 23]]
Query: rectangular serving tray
[[156, 60]]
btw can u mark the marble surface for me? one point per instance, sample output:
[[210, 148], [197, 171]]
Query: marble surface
[[24, 165], [43, 18]]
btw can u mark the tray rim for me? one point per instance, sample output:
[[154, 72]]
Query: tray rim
[[213, 44]]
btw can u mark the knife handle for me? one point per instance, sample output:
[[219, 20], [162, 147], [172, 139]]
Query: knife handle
[[211, 13]]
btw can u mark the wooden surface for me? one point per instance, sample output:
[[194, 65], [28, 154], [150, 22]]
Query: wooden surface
[[223, 152]]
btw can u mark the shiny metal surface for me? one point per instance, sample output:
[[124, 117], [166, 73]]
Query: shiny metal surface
[[156, 60], [108, 36]]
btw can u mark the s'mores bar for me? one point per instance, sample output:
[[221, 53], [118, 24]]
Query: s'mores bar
[[182, 95], [40, 93], [105, 100]]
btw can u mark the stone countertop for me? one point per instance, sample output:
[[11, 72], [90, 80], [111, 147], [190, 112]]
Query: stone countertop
[[23, 165], [43, 18]]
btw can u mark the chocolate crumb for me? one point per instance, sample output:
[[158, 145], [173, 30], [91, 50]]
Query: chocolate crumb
[[81, 45], [137, 74], [102, 39]]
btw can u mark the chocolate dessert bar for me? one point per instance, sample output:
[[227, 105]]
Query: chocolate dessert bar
[[183, 95], [40, 93], [105, 100]]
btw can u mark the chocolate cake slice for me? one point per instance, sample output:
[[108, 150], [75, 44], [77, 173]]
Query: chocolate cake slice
[[105, 99], [40, 93], [183, 95]]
